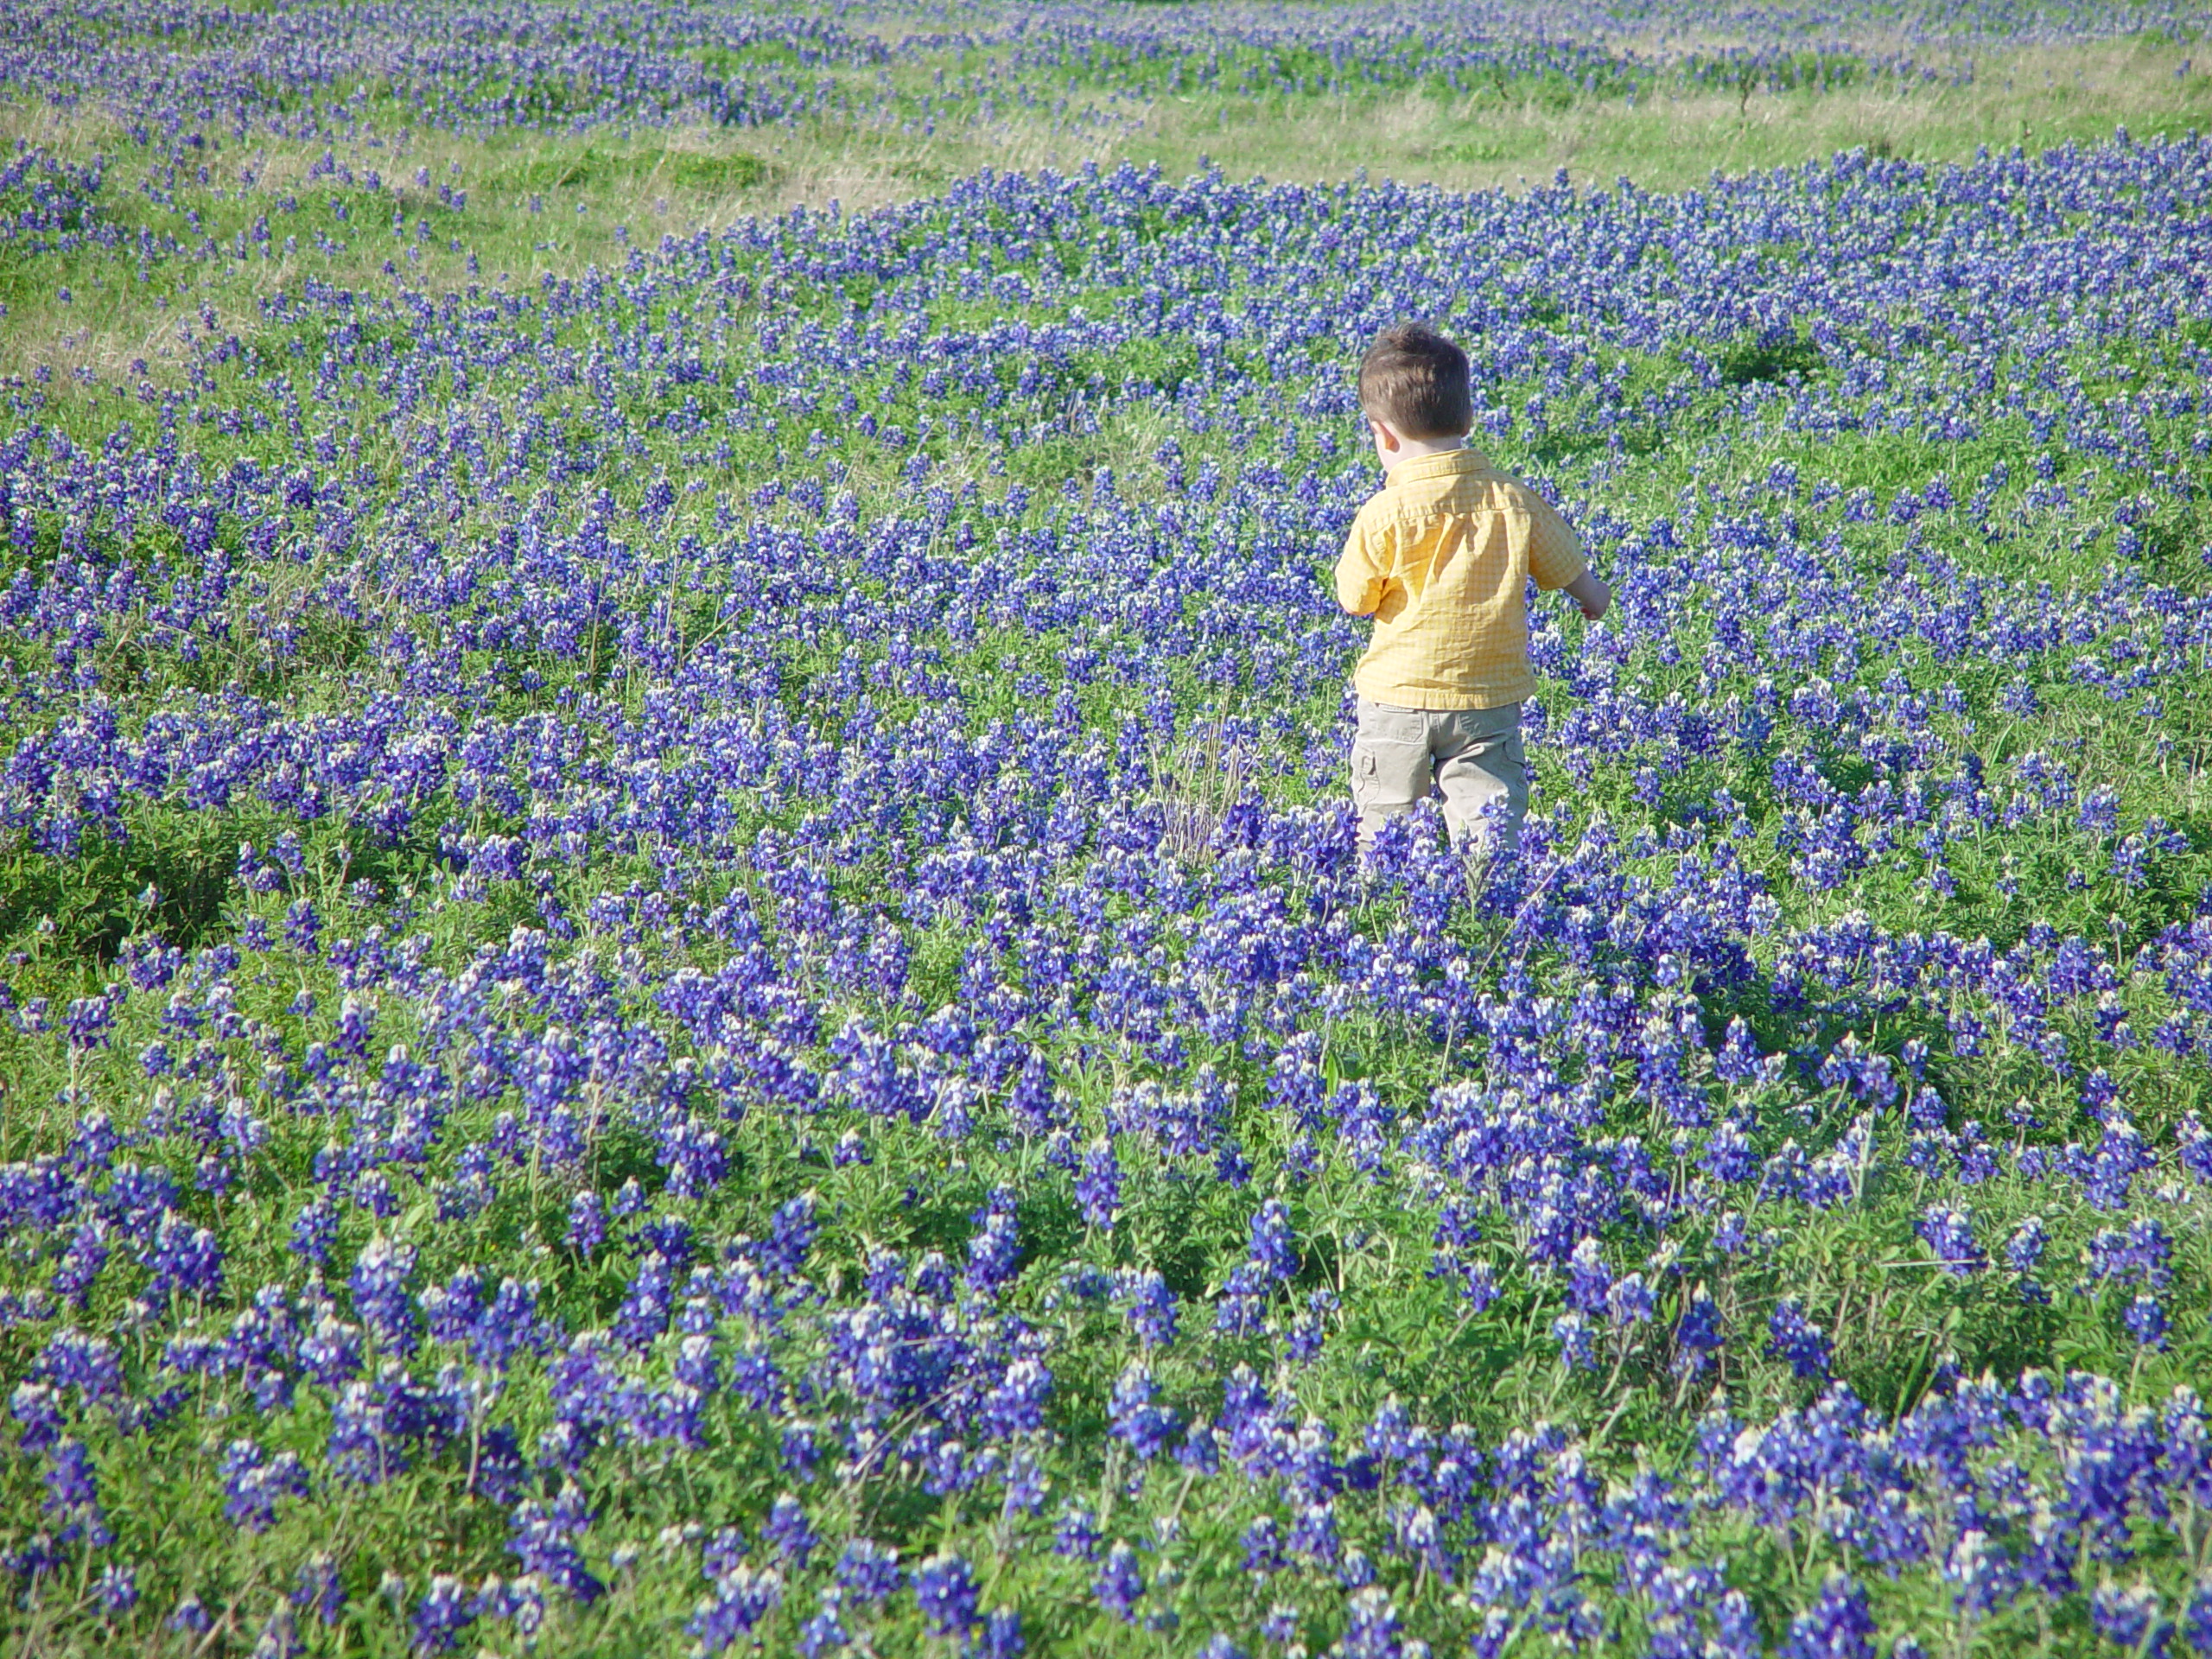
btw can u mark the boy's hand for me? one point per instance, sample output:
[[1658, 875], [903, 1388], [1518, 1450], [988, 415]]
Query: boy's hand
[[1591, 594]]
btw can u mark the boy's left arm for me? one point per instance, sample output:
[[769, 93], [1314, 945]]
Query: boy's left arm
[[1589, 591], [1555, 560]]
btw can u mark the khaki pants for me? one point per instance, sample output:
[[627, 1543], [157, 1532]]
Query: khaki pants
[[1470, 756]]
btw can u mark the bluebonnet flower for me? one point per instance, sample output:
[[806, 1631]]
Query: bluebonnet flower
[[1310, 1332], [1727, 1156], [1629, 1301], [116, 1591], [787, 1528], [1589, 1279], [1142, 1425], [1262, 1548], [1076, 1534], [184, 1260], [792, 1234], [814, 740], [2196, 1145], [797, 1451], [1273, 1252], [2131, 1619], [1982, 1574], [1240, 1309], [1577, 1342], [1027, 1485], [2197, 1618], [442, 1614], [72, 1496], [86, 1364], [1002, 1637], [1120, 1586], [1199, 1449], [2145, 1320], [944, 1589], [741, 1597], [379, 1282], [319, 1589], [824, 1632], [1948, 1234], [868, 1571], [1314, 1534], [253, 1482], [1098, 1191], [1016, 1405], [2139, 1255], [280, 1636], [1795, 1338], [1837, 1626], [2025, 1248], [544, 1539], [1151, 1307], [1372, 1627], [2120, 1156], [993, 1251]]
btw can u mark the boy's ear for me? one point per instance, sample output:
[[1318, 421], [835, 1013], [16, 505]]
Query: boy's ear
[[1384, 433]]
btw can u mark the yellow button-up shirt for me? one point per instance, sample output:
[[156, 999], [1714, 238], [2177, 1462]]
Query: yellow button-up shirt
[[1440, 557]]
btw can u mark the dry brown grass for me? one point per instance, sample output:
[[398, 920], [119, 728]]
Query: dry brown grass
[[2034, 98], [680, 180]]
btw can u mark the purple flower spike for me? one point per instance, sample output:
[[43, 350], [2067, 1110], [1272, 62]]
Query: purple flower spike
[[945, 1591]]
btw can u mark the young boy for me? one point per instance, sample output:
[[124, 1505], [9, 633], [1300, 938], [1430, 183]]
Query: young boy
[[1440, 557]]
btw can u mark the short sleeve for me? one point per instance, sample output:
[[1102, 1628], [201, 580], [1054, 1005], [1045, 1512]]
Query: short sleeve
[[1363, 570], [1554, 551]]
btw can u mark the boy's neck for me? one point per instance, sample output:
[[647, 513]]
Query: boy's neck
[[1415, 448]]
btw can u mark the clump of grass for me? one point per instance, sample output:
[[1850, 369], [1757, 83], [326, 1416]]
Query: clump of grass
[[1195, 779]]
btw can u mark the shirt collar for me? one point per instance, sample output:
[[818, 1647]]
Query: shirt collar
[[1442, 464]]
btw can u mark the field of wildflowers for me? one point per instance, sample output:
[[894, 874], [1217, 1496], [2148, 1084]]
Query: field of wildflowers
[[683, 967]]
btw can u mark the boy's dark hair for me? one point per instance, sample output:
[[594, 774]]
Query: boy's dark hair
[[1416, 380]]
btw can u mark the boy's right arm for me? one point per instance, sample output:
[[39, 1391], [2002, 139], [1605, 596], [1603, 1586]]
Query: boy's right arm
[[1362, 575]]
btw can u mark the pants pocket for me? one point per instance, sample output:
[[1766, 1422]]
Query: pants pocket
[[1388, 773], [1381, 722]]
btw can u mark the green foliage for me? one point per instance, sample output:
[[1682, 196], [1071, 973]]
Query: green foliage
[[1757, 358], [1895, 1317]]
